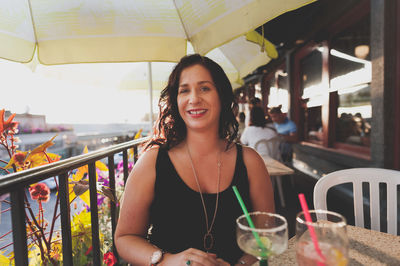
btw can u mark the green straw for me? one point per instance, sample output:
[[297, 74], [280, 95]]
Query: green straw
[[250, 222]]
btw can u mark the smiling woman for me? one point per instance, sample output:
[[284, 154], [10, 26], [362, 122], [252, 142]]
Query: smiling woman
[[198, 100], [187, 170]]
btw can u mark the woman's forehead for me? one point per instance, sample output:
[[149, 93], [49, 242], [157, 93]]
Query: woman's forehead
[[195, 73]]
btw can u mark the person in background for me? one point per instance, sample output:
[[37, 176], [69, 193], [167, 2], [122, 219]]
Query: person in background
[[180, 188], [257, 131], [252, 103], [287, 130], [255, 102], [241, 121]]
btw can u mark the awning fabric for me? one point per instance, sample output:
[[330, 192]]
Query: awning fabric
[[82, 31]]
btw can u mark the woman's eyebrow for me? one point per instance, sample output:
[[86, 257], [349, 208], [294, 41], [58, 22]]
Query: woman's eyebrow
[[199, 83], [205, 81]]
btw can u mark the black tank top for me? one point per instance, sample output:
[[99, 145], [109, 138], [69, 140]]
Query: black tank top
[[177, 215]]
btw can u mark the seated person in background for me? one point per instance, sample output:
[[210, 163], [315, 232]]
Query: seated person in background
[[253, 102], [259, 131], [287, 130], [269, 122]]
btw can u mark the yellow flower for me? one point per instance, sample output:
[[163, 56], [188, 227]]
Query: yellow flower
[[24, 160], [79, 184], [18, 159], [6, 260]]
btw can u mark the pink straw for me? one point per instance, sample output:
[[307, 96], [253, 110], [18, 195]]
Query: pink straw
[[307, 215]]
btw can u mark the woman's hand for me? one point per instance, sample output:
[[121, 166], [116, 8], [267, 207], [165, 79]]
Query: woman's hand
[[221, 262], [192, 257]]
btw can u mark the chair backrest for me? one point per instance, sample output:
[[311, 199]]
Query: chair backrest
[[269, 147], [358, 176]]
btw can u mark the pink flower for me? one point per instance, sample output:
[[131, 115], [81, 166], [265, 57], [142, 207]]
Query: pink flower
[[109, 259], [19, 157], [40, 192]]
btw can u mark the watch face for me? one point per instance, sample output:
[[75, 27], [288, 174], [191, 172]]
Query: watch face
[[156, 256]]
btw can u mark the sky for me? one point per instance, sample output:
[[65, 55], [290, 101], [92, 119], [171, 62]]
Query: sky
[[81, 93]]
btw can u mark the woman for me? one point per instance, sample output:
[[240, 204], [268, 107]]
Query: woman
[[257, 131], [181, 185]]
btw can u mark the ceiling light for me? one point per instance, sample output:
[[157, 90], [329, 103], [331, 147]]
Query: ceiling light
[[361, 51]]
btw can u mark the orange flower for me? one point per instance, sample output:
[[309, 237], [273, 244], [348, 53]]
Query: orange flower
[[9, 124], [109, 259], [25, 160], [40, 192]]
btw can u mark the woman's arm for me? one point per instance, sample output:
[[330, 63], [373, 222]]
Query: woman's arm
[[291, 137], [261, 192], [133, 221]]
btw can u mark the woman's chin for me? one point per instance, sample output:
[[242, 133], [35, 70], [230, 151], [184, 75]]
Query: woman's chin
[[200, 127]]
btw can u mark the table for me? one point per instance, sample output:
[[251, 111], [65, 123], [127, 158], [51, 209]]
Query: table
[[275, 170], [367, 247]]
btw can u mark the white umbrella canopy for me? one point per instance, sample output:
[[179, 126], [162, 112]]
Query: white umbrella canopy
[[96, 31], [82, 31], [238, 58]]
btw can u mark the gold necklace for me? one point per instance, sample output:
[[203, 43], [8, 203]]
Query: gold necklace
[[208, 239]]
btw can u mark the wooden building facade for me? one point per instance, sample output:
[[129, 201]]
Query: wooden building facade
[[338, 80]]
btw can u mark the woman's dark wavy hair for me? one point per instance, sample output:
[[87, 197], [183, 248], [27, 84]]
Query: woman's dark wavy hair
[[257, 117], [170, 129]]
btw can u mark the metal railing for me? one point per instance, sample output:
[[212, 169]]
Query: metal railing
[[16, 183]]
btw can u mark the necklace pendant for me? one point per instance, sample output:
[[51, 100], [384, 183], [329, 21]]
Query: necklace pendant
[[208, 241]]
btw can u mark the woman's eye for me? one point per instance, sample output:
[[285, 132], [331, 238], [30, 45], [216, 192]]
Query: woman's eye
[[183, 91], [205, 88]]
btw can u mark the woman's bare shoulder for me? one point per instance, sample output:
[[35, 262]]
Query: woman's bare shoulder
[[149, 156], [251, 158], [145, 166], [249, 153]]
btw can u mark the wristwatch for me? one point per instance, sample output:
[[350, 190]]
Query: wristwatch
[[156, 257]]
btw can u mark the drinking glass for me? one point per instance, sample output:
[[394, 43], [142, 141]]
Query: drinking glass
[[269, 237], [331, 236]]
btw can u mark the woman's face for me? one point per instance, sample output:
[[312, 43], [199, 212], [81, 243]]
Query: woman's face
[[198, 99]]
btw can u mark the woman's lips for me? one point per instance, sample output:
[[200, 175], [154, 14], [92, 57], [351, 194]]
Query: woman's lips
[[195, 113]]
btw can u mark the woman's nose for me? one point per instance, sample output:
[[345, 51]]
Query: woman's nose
[[194, 97]]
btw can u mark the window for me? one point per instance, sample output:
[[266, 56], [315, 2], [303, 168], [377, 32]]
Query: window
[[313, 94], [278, 90], [331, 89], [350, 77]]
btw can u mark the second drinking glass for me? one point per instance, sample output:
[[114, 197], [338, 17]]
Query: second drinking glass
[[328, 246]]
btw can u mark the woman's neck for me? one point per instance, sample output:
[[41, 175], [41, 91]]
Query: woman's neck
[[204, 145]]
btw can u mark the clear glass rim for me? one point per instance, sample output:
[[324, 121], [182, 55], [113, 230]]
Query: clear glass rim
[[259, 230], [341, 223]]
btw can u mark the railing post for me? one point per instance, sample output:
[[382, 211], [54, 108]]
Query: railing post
[[125, 164], [19, 226], [94, 214], [111, 174], [135, 154], [65, 219]]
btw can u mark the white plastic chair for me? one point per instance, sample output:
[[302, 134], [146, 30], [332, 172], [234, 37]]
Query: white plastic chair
[[269, 147], [358, 176]]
